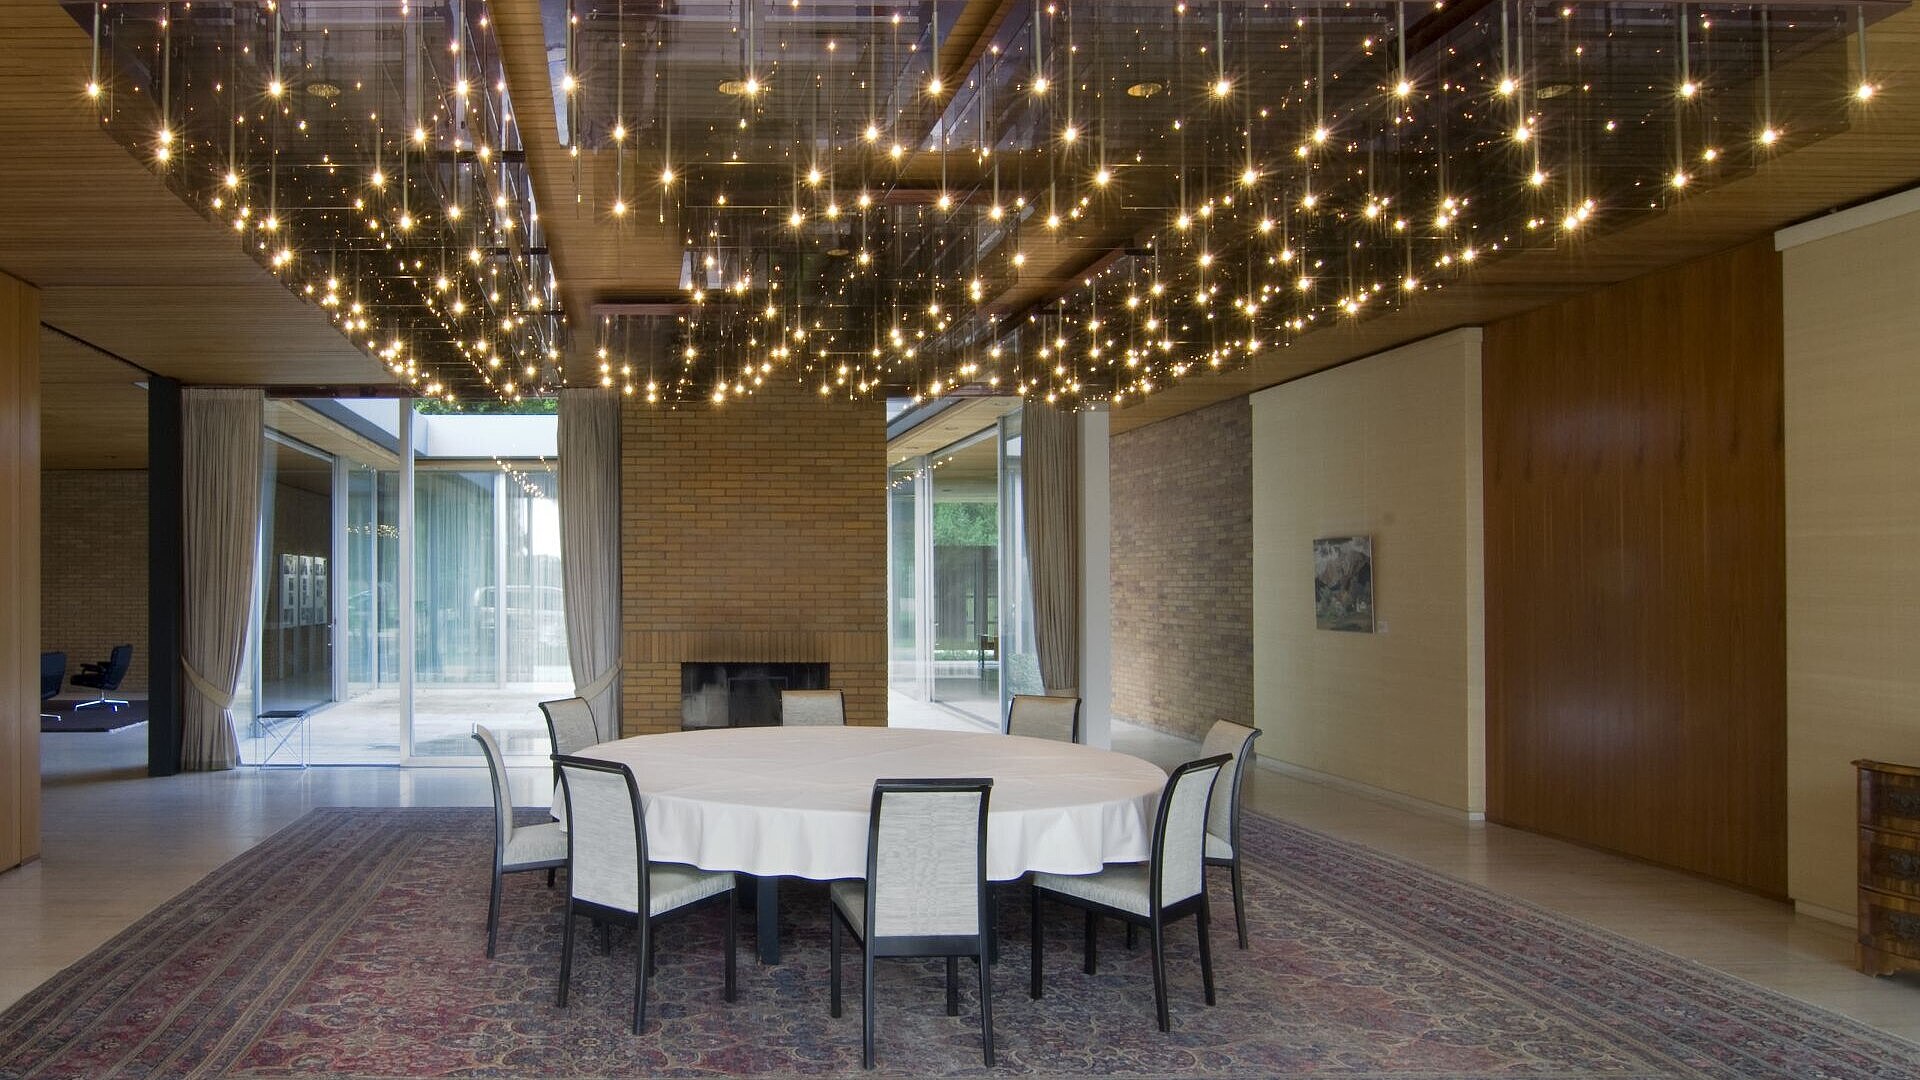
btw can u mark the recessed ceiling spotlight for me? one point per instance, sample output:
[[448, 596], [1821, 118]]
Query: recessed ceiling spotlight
[[838, 253], [733, 87], [1554, 90], [325, 91], [1145, 89]]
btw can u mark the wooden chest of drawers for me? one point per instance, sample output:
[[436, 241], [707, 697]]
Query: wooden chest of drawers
[[1889, 868]]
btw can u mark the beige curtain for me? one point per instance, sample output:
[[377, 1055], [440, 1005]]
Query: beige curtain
[[221, 448], [590, 548], [1050, 474]]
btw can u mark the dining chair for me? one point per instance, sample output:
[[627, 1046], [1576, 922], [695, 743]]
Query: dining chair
[[813, 708], [570, 725], [515, 847], [610, 880], [925, 893], [1044, 717], [1223, 814], [1172, 884]]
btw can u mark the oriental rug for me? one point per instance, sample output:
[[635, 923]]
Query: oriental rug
[[351, 945]]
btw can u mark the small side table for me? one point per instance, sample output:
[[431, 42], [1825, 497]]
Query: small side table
[[276, 729]]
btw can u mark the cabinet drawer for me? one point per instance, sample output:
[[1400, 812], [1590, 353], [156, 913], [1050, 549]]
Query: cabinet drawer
[[1890, 862], [1890, 924], [1890, 800]]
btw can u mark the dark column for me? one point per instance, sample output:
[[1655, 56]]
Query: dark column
[[164, 576]]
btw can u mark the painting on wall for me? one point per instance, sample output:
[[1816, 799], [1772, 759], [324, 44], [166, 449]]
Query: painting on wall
[[1343, 583]]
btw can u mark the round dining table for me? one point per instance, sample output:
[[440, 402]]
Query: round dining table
[[778, 802]]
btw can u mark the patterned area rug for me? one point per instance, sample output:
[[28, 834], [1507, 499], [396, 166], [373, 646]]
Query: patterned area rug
[[351, 945]]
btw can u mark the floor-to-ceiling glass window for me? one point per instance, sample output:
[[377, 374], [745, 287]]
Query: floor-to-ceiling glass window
[[904, 674], [960, 624], [486, 619], [966, 577], [1019, 659], [297, 549], [490, 639]]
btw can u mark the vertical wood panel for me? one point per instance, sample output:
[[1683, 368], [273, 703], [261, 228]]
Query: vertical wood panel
[[19, 572], [1635, 539]]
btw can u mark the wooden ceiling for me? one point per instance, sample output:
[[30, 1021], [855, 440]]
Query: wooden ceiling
[[92, 413], [125, 265]]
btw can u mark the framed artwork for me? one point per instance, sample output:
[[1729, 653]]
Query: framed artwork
[[1343, 583], [322, 609], [289, 589]]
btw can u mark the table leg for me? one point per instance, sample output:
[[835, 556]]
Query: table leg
[[766, 907]]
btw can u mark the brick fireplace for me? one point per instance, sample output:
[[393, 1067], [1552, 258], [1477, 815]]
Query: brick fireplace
[[754, 531]]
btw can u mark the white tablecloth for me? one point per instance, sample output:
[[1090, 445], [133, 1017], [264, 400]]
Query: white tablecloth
[[795, 801]]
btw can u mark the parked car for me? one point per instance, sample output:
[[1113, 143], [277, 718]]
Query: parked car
[[539, 610]]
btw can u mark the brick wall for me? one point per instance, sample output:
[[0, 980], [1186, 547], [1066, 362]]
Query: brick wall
[[753, 531], [1182, 571], [93, 568]]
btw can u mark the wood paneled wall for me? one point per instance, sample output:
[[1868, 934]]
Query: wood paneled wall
[[1635, 586], [19, 572]]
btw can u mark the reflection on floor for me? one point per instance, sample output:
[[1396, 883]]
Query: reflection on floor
[[365, 730], [117, 844]]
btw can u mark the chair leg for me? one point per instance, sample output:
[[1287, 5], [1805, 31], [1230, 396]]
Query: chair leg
[[1087, 963], [1035, 940], [550, 873], [1131, 929], [1157, 935], [953, 986], [733, 916], [986, 1007], [866, 1011], [566, 951], [493, 908], [1239, 903], [642, 962], [1204, 920], [833, 961], [606, 937]]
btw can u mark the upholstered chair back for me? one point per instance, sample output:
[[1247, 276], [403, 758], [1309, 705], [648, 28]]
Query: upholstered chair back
[[927, 858], [1056, 718], [502, 796], [813, 708], [606, 836], [1236, 741], [1179, 842], [570, 722]]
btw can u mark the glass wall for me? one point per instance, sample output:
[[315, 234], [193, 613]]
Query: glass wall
[[1019, 659], [960, 629], [966, 578], [487, 608], [904, 674], [482, 638]]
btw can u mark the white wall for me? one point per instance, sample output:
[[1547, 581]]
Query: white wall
[[1387, 446], [1853, 527]]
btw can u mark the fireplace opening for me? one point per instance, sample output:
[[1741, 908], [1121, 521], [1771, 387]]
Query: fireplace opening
[[739, 694]]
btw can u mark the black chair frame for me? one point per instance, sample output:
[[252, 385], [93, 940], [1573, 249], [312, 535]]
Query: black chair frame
[[1243, 760], [641, 923], [951, 946], [1006, 725], [495, 768], [1157, 915]]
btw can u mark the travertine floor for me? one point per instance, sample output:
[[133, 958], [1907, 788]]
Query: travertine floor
[[117, 844]]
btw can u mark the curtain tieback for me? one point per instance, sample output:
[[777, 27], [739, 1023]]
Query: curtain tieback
[[221, 699], [599, 684]]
